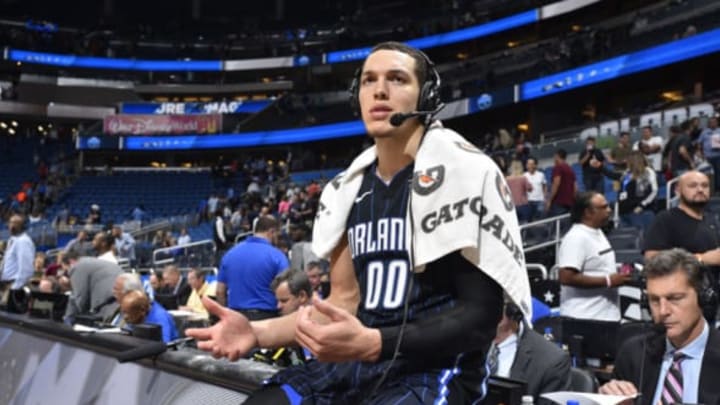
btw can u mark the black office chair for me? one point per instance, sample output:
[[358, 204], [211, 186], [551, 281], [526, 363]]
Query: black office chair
[[582, 380]]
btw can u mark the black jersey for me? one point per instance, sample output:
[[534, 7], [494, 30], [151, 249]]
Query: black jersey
[[376, 231]]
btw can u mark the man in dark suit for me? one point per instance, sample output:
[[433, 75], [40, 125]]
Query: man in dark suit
[[174, 284], [681, 365], [524, 354]]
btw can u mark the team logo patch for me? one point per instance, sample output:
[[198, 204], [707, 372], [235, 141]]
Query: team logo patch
[[429, 181], [504, 192]]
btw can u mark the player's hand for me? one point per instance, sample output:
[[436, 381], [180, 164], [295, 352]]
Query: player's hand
[[343, 338], [619, 387], [231, 337]]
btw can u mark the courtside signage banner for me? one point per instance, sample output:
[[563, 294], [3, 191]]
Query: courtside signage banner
[[218, 107], [162, 124]]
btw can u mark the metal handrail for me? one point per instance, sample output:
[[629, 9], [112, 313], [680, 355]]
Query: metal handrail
[[157, 262], [239, 237], [555, 241], [539, 267], [668, 192]]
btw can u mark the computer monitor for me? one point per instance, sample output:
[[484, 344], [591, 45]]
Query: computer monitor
[[168, 301], [505, 391], [48, 305], [585, 339]]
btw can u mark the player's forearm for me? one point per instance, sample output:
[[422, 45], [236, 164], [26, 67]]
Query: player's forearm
[[275, 332], [470, 325]]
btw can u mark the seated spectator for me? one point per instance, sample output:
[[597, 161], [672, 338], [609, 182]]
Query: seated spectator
[[588, 273], [524, 354], [124, 283], [49, 284], [184, 237], [292, 290], [314, 272], [200, 288], [174, 284], [137, 308]]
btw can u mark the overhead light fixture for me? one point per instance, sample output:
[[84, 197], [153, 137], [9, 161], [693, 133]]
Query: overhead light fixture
[[11, 131], [523, 127], [3, 125], [672, 95], [14, 123]]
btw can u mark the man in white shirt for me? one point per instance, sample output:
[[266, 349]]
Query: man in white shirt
[[17, 264], [588, 274], [536, 196], [651, 146]]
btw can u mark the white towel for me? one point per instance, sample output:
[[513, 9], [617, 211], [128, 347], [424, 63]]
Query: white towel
[[460, 201]]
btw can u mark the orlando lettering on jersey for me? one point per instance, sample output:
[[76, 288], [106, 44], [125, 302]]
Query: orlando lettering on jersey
[[386, 235]]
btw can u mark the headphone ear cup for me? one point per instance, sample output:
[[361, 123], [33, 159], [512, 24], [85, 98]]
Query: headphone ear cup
[[707, 295]]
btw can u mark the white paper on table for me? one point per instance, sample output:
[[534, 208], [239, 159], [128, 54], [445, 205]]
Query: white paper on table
[[87, 329], [585, 398]]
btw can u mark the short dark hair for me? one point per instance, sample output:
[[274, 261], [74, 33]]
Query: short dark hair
[[582, 202], [562, 153], [313, 264], [624, 133], [670, 261], [107, 238], [71, 254], [199, 274], [421, 60], [266, 223], [297, 281]]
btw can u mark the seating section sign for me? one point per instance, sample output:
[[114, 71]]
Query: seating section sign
[[162, 124], [217, 107]]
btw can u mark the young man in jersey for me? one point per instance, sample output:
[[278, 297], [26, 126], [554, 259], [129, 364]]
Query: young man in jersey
[[422, 239]]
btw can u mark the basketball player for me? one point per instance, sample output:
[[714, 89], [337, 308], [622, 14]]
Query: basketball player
[[414, 299]]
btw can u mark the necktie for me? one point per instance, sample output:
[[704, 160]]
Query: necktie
[[493, 359], [672, 392]]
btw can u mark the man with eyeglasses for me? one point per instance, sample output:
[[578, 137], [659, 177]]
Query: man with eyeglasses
[[588, 274]]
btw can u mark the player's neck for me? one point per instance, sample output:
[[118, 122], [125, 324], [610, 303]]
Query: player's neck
[[396, 152]]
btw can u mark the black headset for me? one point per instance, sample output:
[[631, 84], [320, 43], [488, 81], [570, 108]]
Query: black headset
[[706, 294], [513, 312], [428, 99]]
